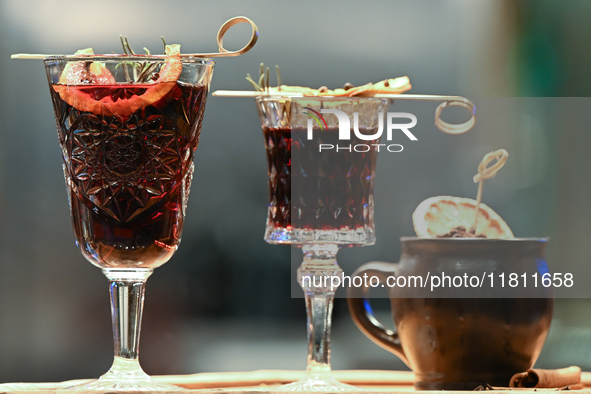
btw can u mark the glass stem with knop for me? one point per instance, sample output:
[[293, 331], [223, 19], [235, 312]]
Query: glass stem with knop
[[314, 275]]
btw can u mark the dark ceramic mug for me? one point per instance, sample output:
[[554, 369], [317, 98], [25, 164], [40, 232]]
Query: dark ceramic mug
[[461, 343]]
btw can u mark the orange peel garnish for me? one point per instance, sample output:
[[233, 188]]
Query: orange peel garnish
[[438, 215], [76, 75]]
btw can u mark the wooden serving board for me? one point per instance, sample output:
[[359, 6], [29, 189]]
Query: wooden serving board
[[265, 381]]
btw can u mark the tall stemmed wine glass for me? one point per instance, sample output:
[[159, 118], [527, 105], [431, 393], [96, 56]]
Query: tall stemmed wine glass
[[320, 200], [128, 127]]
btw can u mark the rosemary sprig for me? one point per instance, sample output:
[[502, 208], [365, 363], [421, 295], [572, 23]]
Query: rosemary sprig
[[142, 71], [146, 72], [262, 81], [128, 47], [278, 77], [263, 84], [125, 70], [255, 85]]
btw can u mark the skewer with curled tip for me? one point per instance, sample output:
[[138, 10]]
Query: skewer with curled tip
[[220, 38], [488, 172], [223, 52], [449, 128], [447, 101]]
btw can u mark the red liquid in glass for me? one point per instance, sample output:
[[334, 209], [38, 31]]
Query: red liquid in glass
[[326, 190], [128, 178]]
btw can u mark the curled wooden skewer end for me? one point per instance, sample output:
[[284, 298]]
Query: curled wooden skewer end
[[485, 172], [461, 128], [224, 29]]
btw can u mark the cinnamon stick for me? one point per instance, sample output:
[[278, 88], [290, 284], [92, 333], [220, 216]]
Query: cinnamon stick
[[547, 378]]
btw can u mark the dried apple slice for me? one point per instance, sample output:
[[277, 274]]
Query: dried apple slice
[[388, 86]]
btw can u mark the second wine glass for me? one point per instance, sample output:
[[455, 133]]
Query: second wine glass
[[320, 200]]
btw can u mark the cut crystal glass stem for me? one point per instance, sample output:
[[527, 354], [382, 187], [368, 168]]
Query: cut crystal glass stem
[[319, 310], [126, 289], [314, 275], [320, 264]]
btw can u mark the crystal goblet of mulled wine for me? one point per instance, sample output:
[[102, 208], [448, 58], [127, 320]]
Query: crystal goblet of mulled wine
[[128, 127], [320, 200]]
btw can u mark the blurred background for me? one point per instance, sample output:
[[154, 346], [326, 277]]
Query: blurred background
[[223, 302]]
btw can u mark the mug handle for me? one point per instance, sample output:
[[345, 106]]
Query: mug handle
[[362, 314]]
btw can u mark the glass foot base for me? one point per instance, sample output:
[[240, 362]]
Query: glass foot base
[[322, 384], [126, 385], [125, 375]]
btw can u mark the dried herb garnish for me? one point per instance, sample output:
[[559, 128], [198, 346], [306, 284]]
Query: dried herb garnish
[[143, 72], [262, 85]]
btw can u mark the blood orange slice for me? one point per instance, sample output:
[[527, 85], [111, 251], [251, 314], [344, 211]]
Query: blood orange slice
[[438, 215], [76, 78]]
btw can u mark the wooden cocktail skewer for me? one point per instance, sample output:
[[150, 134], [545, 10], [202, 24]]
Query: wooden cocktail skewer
[[485, 172], [220, 39], [447, 101]]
